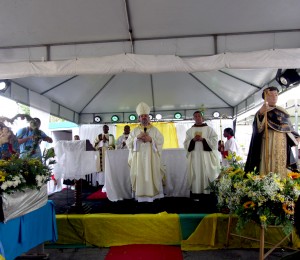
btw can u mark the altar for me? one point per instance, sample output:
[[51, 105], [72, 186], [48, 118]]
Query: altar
[[117, 174]]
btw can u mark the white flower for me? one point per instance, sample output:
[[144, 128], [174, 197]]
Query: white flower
[[4, 186], [9, 183]]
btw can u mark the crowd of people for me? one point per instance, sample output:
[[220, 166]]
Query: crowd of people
[[26, 142]]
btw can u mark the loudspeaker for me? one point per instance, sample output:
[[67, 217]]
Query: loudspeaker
[[288, 78]]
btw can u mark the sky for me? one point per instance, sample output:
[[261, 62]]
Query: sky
[[9, 108]]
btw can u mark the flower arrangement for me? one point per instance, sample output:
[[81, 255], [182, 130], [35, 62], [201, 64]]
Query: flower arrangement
[[265, 200], [17, 174]]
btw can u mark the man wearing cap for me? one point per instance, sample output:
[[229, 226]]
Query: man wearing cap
[[145, 144], [201, 143]]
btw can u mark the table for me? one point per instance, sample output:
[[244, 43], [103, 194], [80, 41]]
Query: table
[[117, 174], [20, 234]]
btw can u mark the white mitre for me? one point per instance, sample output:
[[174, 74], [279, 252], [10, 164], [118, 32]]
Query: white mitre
[[142, 109]]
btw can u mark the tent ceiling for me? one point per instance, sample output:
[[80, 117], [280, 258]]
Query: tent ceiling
[[42, 33]]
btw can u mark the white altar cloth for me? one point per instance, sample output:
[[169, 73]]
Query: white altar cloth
[[73, 161], [117, 174]]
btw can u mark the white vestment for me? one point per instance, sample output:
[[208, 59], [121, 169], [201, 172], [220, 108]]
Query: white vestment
[[120, 140], [145, 164], [103, 146], [203, 166]]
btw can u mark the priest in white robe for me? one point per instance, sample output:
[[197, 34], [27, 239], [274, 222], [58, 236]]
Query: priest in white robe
[[145, 144], [203, 159]]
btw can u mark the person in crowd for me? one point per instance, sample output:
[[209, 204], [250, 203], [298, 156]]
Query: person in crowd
[[121, 142], [8, 143], [201, 144], [76, 138], [231, 146], [145, 144], [280, 138], [30, 138], [103, 142]]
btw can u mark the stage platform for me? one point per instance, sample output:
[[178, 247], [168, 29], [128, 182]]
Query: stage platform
[[193, 225], [190, 231]]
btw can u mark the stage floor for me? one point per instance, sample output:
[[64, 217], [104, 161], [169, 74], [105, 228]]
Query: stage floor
[[64, 199], [101, 253]]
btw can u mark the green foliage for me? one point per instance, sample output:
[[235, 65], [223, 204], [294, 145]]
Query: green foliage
[[56, 119], [24, 109]]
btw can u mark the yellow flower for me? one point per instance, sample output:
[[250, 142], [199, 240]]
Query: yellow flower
[[249, 204], [288, 208], [256, 177], [235, 185], [229, 157], [4, 163], [235, 172], [294, 175], [34, 161], [297, 186], [263, 218], [280, 197], [249, 175], [239, 158], [2, 176]]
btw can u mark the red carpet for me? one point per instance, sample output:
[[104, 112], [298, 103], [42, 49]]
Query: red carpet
[[144, 252], [97, 195]]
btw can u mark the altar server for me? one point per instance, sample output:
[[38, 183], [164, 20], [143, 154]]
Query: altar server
[[231, 146]]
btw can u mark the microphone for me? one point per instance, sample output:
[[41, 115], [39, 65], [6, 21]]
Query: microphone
[[145, 130]]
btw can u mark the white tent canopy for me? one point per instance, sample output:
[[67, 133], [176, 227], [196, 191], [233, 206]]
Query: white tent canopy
[[77, 59]]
